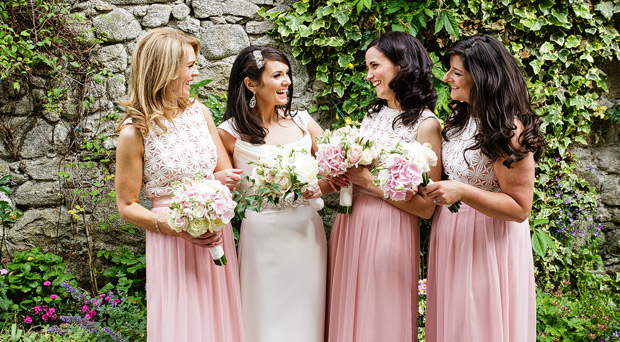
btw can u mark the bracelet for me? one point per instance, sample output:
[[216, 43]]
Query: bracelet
[[157, 224]]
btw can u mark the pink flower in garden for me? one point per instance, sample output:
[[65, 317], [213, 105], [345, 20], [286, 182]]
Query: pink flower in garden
[[47, 283], [45, 317], [28, 320], [53, 296], [117, 300], [85, 308], [107, 298], [3, 271], [91, 314], [37, 309], [102, 295]]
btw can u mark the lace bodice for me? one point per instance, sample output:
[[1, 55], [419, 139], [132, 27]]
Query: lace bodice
[[379, 127], [479, 172], [186, 148], [246, 152]]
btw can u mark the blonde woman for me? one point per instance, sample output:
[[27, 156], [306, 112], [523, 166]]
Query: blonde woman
[[164, 137]]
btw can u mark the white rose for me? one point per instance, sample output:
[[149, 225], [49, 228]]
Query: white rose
[[284, 180], [368, 156]]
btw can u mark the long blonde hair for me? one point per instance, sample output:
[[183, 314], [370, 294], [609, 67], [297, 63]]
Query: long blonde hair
[[156, 64]]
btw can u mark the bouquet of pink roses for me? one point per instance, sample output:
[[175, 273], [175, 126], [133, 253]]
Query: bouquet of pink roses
[[403, 167], [339, 150], [200, 205], [286, 172]]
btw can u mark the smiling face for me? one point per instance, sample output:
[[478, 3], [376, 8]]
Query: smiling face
[[189, 70], [380, 72], [273, 88], [460, 80]]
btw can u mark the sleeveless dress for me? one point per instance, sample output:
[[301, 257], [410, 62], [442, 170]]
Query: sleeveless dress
[[282, 258], [374, 257], [480, 269], [189, 298]]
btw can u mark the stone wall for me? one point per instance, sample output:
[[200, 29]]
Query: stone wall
[[599, 162], [35, 147]]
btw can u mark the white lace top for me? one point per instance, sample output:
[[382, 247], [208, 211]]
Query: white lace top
[[379, 127], [479, 172], [183, 150]]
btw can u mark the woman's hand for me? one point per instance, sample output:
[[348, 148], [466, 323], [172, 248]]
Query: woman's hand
[[410, 193], [208, 240], [308, 194], [360, 176], [444, 192], [229, 177]]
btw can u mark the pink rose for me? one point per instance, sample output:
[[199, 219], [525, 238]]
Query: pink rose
[[53, 296], [47, 283], [37, 309], [28, 320], [355, 154]]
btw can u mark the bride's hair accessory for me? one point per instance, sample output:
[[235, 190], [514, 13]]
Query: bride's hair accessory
[[258, 58]]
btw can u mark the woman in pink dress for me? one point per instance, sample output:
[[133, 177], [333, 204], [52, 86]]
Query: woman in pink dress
[[374, 251], [165, 137], [480, 270]]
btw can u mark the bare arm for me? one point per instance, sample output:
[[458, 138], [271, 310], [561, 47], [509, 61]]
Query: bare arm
[[128, 182], [419, 205], [513, 203]]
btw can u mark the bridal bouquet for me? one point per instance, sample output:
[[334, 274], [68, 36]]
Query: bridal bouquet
[[403, 167], [339, 150], [200, 205], [286, 172]]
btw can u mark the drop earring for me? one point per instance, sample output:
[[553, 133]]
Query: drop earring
[[253, 100]]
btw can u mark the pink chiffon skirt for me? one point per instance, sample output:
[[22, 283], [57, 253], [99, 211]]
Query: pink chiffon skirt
[[480, 279], [189, 298], [373, 273]]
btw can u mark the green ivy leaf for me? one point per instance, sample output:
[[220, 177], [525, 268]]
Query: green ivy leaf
[[606, 8], [572, 41]]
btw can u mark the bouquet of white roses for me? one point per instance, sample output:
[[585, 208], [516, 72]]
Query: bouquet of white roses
[[200, 205], [339, 150], [286, 172]]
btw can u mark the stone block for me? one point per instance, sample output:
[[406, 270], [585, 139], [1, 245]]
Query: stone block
[[37, 194], [42, 139], [258, 27], [221, 41], [112, 57], [116, 87], [610, 190], [42, 168], [218, 72], [189, 25], [118, 25], [157, 15], [212, 8], [37, 227], [180, 11]]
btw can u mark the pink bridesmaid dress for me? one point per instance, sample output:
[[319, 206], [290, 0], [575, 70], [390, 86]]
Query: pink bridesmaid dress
[[480, 269], [374, 257], [189, 298]]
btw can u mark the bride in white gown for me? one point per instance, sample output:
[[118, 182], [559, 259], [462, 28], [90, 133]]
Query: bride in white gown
[[282, 249]]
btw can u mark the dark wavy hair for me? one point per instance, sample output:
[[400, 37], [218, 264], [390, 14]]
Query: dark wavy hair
[[413, 84], [238, 109], [498, 96]]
